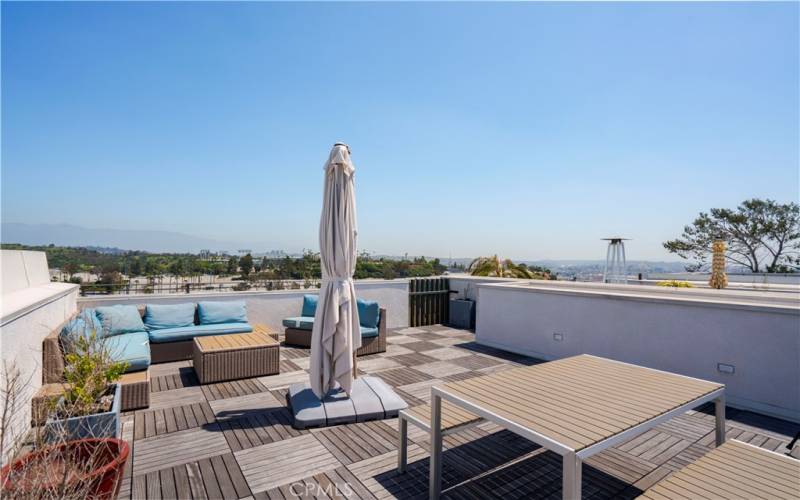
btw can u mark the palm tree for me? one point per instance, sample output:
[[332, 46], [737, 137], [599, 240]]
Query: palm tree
[[493, 266]]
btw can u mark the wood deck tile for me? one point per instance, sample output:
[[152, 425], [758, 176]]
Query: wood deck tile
[[232, 408], [283, 380], [446, 353], [185, 377], [161, 452], [439, 369], [232, 389], [396, 350], [149, 423], [212, 478], [421, 390], [461, 376], [286, 365], [421, 345], [376, 363], [379, 474], [171, 368], [413, 359], [300, 364], [275, 464], [410, 331], [429, 336], [127, 434], [400, 339], [402, 376], [289, 352], [255, 430], [451, 341], [476, 362], [355, 442], [176, 397]]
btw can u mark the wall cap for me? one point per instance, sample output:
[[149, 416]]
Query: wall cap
[[731, 299]]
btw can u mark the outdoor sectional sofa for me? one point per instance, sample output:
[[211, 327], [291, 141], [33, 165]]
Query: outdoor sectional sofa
[[141, 335], [372, 319]]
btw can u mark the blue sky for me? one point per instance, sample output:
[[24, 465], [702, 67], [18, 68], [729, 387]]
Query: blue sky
[[525, 129]]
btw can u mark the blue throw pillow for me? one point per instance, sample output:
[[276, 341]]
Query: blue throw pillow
[[309, 305], [368, 313], [160, 316], [120, 319], [75, 327], [214, 313], [93, 323]]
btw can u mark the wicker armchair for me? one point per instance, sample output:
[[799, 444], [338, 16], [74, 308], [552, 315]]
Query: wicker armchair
[[369, 345]]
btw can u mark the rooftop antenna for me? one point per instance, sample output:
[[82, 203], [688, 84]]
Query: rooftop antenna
[[616, 270]]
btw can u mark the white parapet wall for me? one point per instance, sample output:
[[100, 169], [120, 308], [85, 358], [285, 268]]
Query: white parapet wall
[[270, 308], [750, 341], [30, 308]]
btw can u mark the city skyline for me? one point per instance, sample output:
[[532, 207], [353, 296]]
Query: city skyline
[[560, 125]]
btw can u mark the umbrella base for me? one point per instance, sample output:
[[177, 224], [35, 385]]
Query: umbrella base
[[370, 399]]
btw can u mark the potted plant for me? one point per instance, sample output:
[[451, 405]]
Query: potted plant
[[86, 468], [60, 467], [90, 406]]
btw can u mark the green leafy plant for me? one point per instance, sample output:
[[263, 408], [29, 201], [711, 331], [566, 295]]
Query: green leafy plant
[[90, 372], [675, 284], [493, 266]]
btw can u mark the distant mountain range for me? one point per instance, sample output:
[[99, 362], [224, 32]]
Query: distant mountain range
[[118, 240], [129, 239]]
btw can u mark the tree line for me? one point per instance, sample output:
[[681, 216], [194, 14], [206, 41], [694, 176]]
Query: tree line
[[111, 267]]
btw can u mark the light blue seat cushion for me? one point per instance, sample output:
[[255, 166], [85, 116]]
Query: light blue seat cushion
[[369, 313], [216, 313], [119, 319], [133, 348], [190, 332], [159, 316], [367, 332], [300, 322], [309, 305]]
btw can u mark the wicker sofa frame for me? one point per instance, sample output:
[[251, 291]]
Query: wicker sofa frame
[[369, 345]]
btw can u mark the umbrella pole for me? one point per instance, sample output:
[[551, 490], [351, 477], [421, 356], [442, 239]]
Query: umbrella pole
[[355, 369]]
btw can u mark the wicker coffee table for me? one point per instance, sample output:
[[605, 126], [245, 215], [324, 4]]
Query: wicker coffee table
[[234, 356]]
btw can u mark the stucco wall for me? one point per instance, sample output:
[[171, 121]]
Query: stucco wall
[[270, 308], [32, 307], [691, 337]]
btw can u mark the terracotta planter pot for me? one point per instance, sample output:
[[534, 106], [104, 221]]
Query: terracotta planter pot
[[102, 465]]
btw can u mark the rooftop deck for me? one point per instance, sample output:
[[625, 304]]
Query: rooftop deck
[[235, 440]]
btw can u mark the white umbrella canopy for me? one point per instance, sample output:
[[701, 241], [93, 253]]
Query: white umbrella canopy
[[336, 334]]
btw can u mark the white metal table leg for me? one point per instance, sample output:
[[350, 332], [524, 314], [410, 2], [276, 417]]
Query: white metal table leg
[[435, 478], [402, 453], [719, 414], [571, 486]]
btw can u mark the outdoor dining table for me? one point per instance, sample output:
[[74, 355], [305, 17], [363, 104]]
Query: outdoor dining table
[[576, 407]]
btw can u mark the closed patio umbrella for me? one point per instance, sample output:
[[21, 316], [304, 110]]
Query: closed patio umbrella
[[336, 334]]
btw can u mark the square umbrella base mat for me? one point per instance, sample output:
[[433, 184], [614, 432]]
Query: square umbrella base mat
[[371, 399]]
